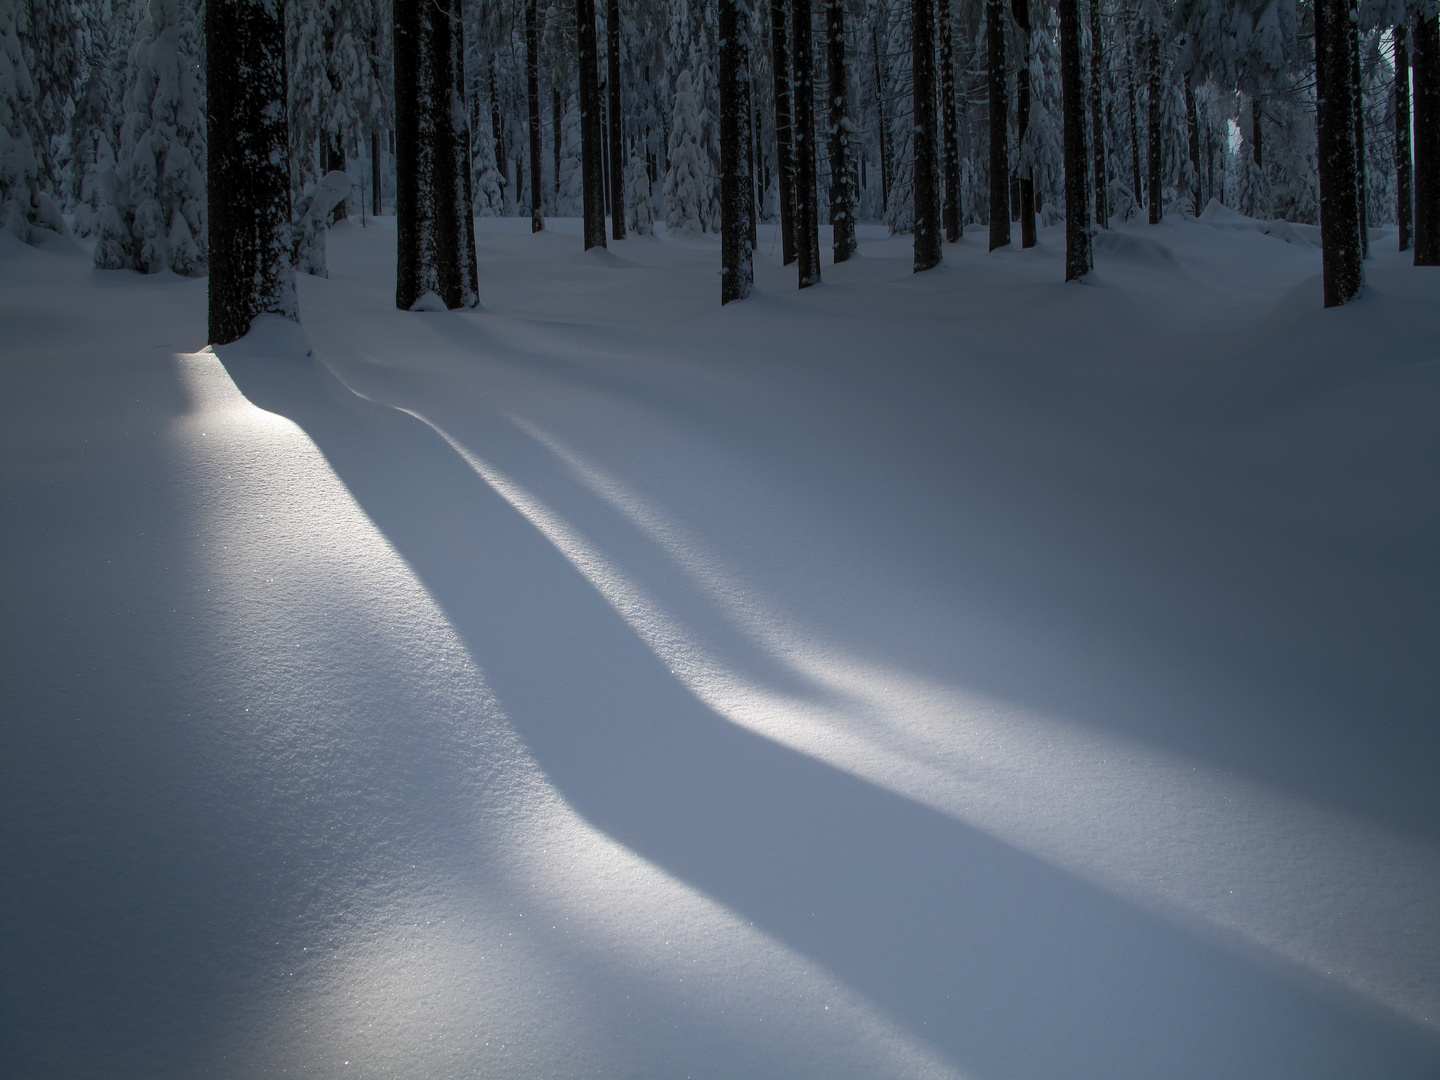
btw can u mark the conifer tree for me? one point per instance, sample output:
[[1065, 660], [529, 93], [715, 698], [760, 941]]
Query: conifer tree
[[1020, 9], [591, 133], [1403, 198], [532, 103], [736, 274], [807, 228], [842, 192], [999, 124], [1100, 182], [686, 178], [1343, 270], [784, 151], [950, 212], [1425, 63], [616, 158], [928, 251], [20, 132], [1078, 257]]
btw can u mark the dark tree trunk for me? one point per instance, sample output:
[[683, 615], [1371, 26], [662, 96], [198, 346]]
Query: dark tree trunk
[[807, 227], [1097, 116], [999, 109], [1358, 99], [884, 118], [1342, 267], [1137, 187], [1156, 146], [1426, 66], [752, 140], [248, 182], [376, 202], [1257, 136], [335, 162], [1192, 122], [1021, 10], [1403, 204], [954, 228], [617, 127], [784, 149], [497, 132], [842, 188], [737, 272], [435, 232], [592, 138], [557, 132], [532, 100], [1078, 259], [928, 240]]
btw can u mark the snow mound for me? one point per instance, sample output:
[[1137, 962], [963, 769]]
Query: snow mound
[[1136, 250]]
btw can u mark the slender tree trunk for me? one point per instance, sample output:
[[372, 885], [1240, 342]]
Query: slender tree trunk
[[1425, 63], [248, 181], [842, 188], [999, 110], [883, 116], [376, 202], [951, 214], [1342, 267], [1192, 123], [807, 227], [532, 99], [752, 141], [1097, 116], [737, 272], [617, 127], [592, 138], [1137, 188], [557, 132], [435, 238], [1403, 204], [1021, 10], [784, 149], [1078, 257], [1361, 181], [1257, 136], [1156, 147], [497, 132], [335, 162], [928, 250]]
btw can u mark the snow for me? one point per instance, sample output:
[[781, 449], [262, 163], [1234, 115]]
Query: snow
[[952, 675]]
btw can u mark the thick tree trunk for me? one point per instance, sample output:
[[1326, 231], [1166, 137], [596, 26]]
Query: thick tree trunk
[[592, 138], [1131, 90], [532, 101], [1097, 116], [1357, 94], [954, 228], [737, 273], [1403, 204], [1021, 10], [435, 229], [784, 149], [1343, 270], [1192, 123], [376, 202], [842, 189], [617, 126], [1426, 66], [927, 196], [884, 116], [1078, 258], [1156, 146], [807, 227], [999, 109], [248, 181]]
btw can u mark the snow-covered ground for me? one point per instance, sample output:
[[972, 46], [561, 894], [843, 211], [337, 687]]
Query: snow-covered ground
[[947, 675]]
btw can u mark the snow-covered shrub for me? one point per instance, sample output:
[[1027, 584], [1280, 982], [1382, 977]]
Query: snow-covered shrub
[[486, 181], [637, 198], [19, 130]]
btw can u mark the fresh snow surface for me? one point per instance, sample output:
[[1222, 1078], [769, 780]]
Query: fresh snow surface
[[947, 675]]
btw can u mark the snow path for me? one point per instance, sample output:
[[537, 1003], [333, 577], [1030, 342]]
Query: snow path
[[947, 675]]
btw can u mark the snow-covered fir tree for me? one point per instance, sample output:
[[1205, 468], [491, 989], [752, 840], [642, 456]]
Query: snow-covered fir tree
[[690, 177]]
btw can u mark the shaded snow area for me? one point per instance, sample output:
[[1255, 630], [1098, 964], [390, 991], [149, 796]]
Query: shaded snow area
[[945, 675]]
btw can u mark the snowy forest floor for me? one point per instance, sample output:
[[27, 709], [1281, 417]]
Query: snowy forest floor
[[958, 674]]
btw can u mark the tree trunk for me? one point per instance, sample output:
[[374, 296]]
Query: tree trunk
[[435, 232], [1021, 10], [1257, 144], [497, 133], [784, 150], [592, 138], [954, 228], [248, 181], [1361, 181], [1078, 257], [1403, 205], [532, 100], [335, 162], [1192, 123], [927, 198], [999, 109], [1097, 117], [557, 132], [376, 202], [737, 272], [883, 116], [1156, 146], [1137, 188], [842, 189], [807, 227], [1426, 66], [617, 127], [1342, 268]]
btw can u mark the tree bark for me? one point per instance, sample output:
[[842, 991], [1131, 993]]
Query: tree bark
[[881, 88], [1078, 257], [737, 271], [1131, 90], [532, 100], [1426, 66], [1403, 195], [954, 227], [1097, 117], [376, 202], [784, 149], [999, 109], [1192, 123], [927, 198], [592, 138], [1021, 10], [557, 131], [617, 127], [1156, 148], [807, 226], [1342, 267], [1257, 145], [1357, 93], [497, 133], [842, 189], [435, 230], [248, 181]]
